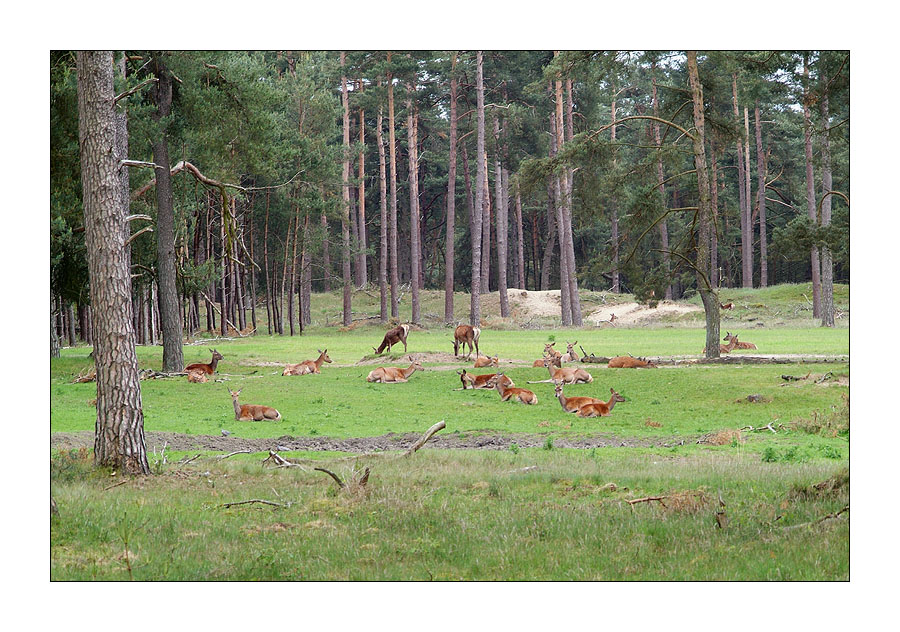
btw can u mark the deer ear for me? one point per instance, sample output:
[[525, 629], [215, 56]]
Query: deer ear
[[612, 391]]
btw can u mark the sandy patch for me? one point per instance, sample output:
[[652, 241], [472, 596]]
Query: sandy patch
[[632, 313]]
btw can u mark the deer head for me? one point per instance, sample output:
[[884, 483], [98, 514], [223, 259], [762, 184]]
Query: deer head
[[216, 355], [616, 397], [324, 355]]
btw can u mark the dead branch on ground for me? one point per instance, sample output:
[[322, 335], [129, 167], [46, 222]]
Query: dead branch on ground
[[116, 485], [225, 456], [819, 520], [255, 500], [648, 499], [760, 429], [424, 439], [334, 476]]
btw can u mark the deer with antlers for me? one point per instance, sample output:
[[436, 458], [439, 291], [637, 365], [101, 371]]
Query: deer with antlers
[[308, 366], [392, 337], [208, 369], [466, 335], [566, 375], [470, 380], [394, 375], [509, 393], [630, 362], [483, 361], [600, 409], [250, 412], [738, 344]]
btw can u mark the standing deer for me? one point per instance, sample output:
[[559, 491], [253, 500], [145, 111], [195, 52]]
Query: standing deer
[[393, 375], [470, 380], [392, 337], [507, 393], [210, 368], [630, 362], [738, 344], [308, 366], [731, 346], [570, 355], [466, 335], [572, 404], [250, 412], [566, 375], [483, 361], [600, 409]]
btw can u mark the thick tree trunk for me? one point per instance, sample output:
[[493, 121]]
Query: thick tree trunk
[[345, 194], [571, 269], [475, 311], [811, 191], [450, 240], [392, 146], [761, 201], [827, 265], [173, 358], [707, 294], [119, 431], [714, 227], [414, 231], [744, 197], [502, 225], [556, 132], [660, 177], [383, 234]]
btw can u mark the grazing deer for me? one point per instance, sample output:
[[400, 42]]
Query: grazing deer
[[572, 404], [600, 409], [483, 361], [470, 380], [570, 355], [738, 344], [392, 337], [731, 346], [630, 362], [308, 366], [566, 375], [726, 305], [249, 412], [466, 335], [393, 375], [197, 377], [507, 393], [210, 368]]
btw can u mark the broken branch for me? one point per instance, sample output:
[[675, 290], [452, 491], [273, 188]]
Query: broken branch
[[424, 439], [255, 500]]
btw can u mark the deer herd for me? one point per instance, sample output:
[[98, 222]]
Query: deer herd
[[465, 336]]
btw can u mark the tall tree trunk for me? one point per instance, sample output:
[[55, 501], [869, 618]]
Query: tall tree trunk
[[560, 195], [502, 225], [475, 315], [119, 431], [414, 232], [747, 187], [293, 285], [326, 252], [266, 266], [362, 273], [450, 241], [744, 197], [173, 358], [707, 294], [305, 276], [486, 231], [811, 190], [660, 177], [520, 241], [54, 339], [345, 193], [714, 209], [550, 233], [574, 298], [392, 146], [827, 265], [614, 206], [383, 234], [761, 200]]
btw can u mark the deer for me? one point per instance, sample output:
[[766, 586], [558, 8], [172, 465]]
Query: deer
[[394, 375], [566, 375], [392, 337], [726, 305], [731, 346], [557, 362], [197, 377], [600, 409], [630, 362], [570, 355], [466, 335], [550, 352], [483, 361], [250, 412], [507, 393], [308, 366], [738, 344], [572, 404], [470, 380], [210, 368]]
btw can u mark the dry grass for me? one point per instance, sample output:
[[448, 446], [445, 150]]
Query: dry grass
[[652, 424], [723, 437], [830, 425], [689, 501]]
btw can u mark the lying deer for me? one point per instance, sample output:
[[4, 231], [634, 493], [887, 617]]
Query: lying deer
[[630, 362], [572, 404], [393, 375], [731, 346], [470, 380], [483, 361], [726, 305], [566, 375], [197, 377], [466, 335], [550, 352], [392, 337], [210, 368], [738, 344], [570, 355], [600, 409], [250, 412], [308, 366], [507, 393]]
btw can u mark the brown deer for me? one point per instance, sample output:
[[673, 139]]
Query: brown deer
[[570, 355], [507, 393], [738, 344], [483, 361], [726, 305], [210, 368], [197, 377], [572, 404], [731, 346], [308, 366], [557, 362], [392, 337], [466, 335], [393, 375], [630, 362], [566, 375], [470, 380], [600, 409], [550, 352], [249, 412]]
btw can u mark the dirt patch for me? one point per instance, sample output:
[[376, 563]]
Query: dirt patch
[[361, 445], [628, 314], [536, 302]]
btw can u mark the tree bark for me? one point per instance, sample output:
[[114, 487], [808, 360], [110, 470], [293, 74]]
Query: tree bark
[[414, 231], [560, 195], [392, 142], [486, 231], [173, 358], [660, 176], [345, 194], [502, 225], [744, 197], [266, 267], [761, 200], [119, 431], [714, 227], [475, 311], [450, 241], [827, 265], [571, 269], [614, 207], [520, 241], [749, 195], [362, 273], [383, 234], [811, 190]]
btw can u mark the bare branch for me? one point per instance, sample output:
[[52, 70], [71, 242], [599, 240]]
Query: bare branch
[[135, 89], [424, 439]]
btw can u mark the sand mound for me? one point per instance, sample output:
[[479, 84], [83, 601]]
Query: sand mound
[[632, 313]]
